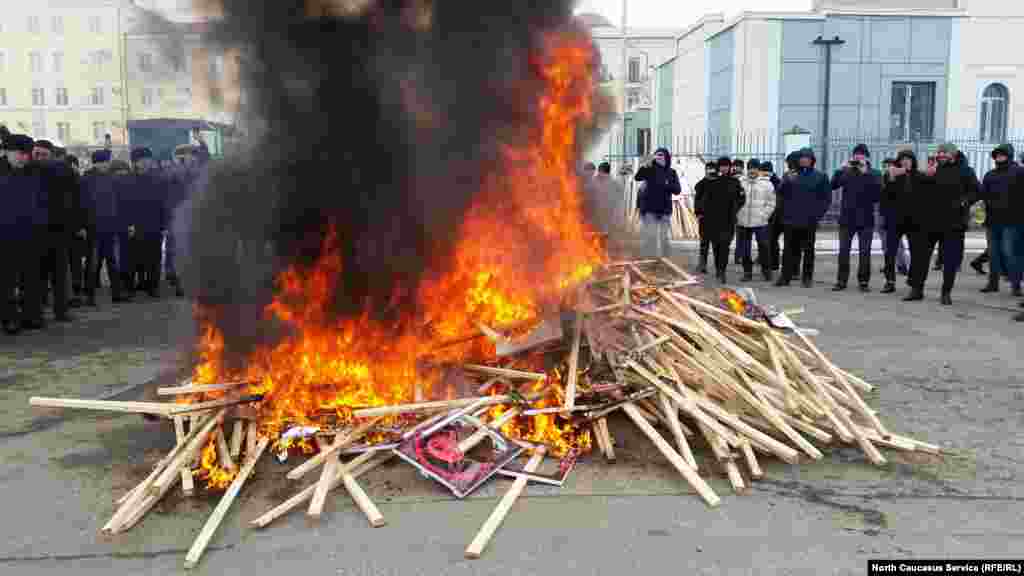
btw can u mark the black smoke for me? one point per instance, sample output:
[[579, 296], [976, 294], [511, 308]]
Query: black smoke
[[381, 125]]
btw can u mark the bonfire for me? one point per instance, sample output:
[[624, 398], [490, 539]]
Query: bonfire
[[512, 351]]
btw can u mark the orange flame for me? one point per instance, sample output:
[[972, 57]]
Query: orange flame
[[216, 478], [522, 248]]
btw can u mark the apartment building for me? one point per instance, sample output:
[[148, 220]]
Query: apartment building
[[60, 71]]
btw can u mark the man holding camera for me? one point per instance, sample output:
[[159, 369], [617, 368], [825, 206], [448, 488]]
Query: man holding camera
[[861, 190], [661, 183]]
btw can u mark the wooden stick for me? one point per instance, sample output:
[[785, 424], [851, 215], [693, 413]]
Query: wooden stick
[[671, 410], [222, 403], [328, 472], [223, 452], [252, 438], [340, 441], [425, 406], [724, 456], [627, 296], [186, 455], [198, 388], [158, 408], [688, 473], [237, 435], [607, 308], [726, 314], [574, 363], [748, 454], [363, 501], [641, 275], [476, 547], [595, 429], [788, 392], [769, 413], [826, 404], [506, 372], [682, 274], [199, 546], [187, 483], [609, 441]]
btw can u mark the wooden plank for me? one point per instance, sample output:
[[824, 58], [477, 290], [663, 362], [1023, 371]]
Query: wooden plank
[[574, 363], [688, 473], [340, 441], [609, 441], [158, 408], [682, 273], [429, 406], [811, 380], [188, 487], [198, 388], [199, 546], [671, 410], [789, 394], [476, 547], [212, 404], [223, 452], [237, 435], [363, 501], [505, 372], [496, 424], [328, 472], [748, 455], [251, 438]]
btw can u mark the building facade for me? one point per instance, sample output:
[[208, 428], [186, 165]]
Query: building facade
[[60, 71]]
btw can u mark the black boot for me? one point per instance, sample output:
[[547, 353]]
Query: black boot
[[720, 275], [864, 287], [807, 282], [1017, 292], [839, 287], [767, 275], [915, 295], [889, 288], [990, 288], [1019, 317], [978, 267], [946, 299], [782, 281], [12, 326], [748, 276]]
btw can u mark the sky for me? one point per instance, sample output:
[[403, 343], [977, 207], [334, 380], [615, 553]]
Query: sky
[[682, 13]]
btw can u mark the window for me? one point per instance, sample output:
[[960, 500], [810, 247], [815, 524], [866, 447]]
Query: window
[[58, 62], [38, 130], [64, 132], [96, 96], [97, 59], [33, 24], [634, 70], [62, 96], [38, 97], [57, 24], [35, 62], [3, 96], [147, 97], [3, 62], [994, 104], [912, 116], [643, 141], [145, 62], [95, 24], [98, 131]]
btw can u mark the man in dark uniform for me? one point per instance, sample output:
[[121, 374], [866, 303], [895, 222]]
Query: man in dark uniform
[[24, 235], [700, 193], [806, 196], [149, 192], [101, 201], [723, 198]]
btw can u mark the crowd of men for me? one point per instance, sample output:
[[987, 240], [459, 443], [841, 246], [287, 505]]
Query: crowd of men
[[61, 228], [928, 205]]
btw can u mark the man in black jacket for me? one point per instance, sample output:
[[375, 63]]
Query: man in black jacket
[[723, 198], [1003, 192], [27, 234], [700, 193], [949, 190], [806, 196], [775, 222], [862, 189], [661, 183], [899, 198]]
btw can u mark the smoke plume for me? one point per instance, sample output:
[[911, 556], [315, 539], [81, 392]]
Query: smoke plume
[[377, 119]]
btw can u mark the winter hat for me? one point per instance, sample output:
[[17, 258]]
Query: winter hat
[[948, 148], [753, 164], [806, 153], [737, 162], [1004, 149], [862, 149], [724, 161], [767, 167], [711, 166]]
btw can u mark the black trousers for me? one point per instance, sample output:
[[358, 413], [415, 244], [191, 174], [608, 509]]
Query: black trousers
[[893, 237], [921, 248], [799, 249], [147, 263], [55, 271], [864, 237], [775, 232], [104, 256], [20, 267], [81, 250], [720, 247], [705, 243]]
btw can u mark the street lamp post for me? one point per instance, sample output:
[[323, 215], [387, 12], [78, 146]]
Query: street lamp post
[[828, 44]]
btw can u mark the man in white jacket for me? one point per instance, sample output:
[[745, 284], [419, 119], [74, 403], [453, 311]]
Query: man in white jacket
[[753, 220]]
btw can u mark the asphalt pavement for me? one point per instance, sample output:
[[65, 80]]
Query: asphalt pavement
[[947, 375]]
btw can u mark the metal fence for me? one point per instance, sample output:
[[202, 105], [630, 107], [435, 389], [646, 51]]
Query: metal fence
[[768, 146]]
